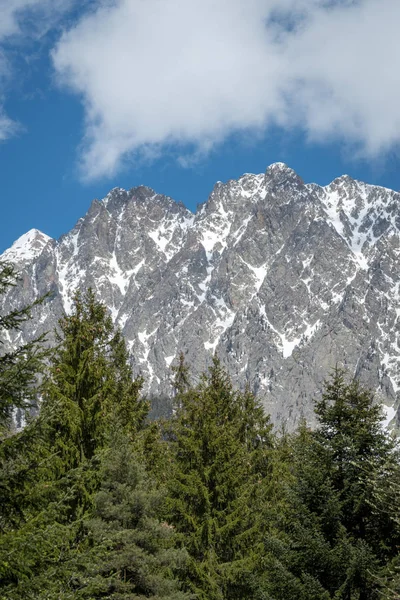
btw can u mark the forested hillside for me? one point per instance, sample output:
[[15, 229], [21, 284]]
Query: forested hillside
[[98, 501]]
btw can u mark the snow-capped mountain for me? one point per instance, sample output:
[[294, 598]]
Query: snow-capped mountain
[[26, 248], [283, 279]]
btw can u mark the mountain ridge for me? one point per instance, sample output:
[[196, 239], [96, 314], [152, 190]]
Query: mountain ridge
[[282, 278]]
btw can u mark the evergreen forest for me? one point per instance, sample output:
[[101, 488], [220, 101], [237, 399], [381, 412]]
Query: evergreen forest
[[97, 501]]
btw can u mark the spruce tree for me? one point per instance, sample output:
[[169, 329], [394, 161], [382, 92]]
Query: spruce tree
[[221, 444], [344, 520], [118, 549], [363, 462], [21, 371], [90, 383], [90, 391]]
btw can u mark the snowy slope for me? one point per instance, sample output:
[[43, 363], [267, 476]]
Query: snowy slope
[[26, 248]]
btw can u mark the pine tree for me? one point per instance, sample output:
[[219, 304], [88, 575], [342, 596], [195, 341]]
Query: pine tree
[[221, 443], [130, 552]]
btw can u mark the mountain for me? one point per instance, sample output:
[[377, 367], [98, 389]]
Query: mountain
[[282, 279]]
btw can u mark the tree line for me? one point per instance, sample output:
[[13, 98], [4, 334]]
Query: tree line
[[97, 501]]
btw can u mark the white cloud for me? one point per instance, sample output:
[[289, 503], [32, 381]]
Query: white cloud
[[22, 21], [153, 73], [10, 14], [7, 126], [344, 75], [30, 17]]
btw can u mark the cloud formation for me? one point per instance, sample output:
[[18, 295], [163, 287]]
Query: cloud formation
[[30, 18], [22, 21], [156, 73]]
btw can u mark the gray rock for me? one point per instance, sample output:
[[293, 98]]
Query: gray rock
[[282, 279]]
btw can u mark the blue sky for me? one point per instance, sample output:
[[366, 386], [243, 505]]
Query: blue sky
[[177, 94]]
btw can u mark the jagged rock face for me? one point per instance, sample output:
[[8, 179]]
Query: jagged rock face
[[282, 279]]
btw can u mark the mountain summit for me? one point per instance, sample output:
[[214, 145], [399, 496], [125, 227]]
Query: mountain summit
[[282, 279], [27, 247]]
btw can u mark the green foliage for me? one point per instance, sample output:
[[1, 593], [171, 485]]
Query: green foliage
[[343, 523], [20, 369], [129, 552], [51, 469], [221, 443], [20, 373], [34, 557], [98, 502], [90, 384], [118, 549], [363, 463], [181, 382], [22, 458]]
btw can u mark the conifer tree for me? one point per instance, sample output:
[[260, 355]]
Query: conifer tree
[[130, 552], [181, 381], [90, 391], [20, 374], [344, 523], [90, 383], [118, 549], [19, 368], [363, 461], [222, 440]]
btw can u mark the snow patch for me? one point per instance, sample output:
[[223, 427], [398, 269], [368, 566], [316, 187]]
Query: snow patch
[[259, 272], [353, 208], [224, 318], [204, 285], [390, 413], [285, 344], [70, 275], [163, 234], [26, 248], [143, 338], [169, 359]]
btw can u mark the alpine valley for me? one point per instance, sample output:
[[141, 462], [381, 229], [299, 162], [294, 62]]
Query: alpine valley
[[282, 279]]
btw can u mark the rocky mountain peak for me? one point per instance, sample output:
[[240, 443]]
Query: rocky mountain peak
[[343, 180], [282, 279], [114, 193], [27, 247], [280, 175]]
